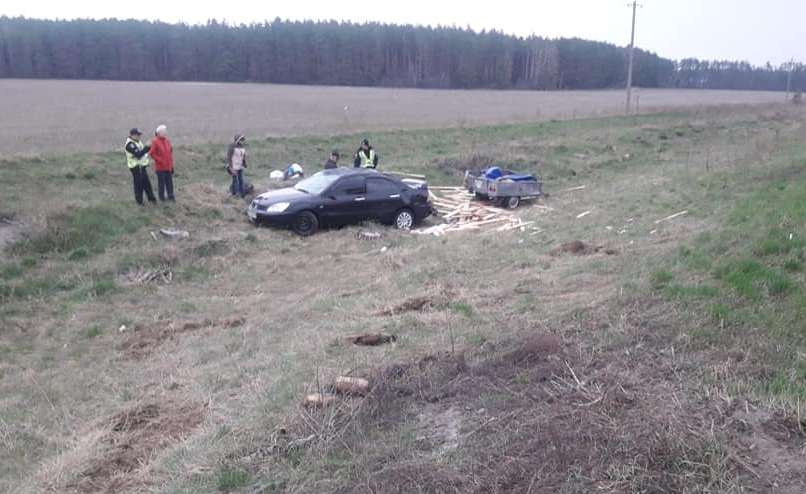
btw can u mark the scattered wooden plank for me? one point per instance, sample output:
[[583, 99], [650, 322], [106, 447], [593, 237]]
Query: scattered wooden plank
[[404, 174], [582, 215], [572, 189], [352, 386], [318, 400], [671, 217]]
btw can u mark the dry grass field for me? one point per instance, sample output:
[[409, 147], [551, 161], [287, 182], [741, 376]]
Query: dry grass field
[[669, 360], [75, 116]]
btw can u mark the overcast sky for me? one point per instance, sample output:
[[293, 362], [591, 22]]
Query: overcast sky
[[753, 30]]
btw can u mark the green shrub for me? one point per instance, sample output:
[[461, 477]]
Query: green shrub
[[78, 254], [694, 291], [231, 478], [11, 271], [749, 277], [93, 332], [659, 279], [103, 286], [462, 308], [793, 265], [720, 312]]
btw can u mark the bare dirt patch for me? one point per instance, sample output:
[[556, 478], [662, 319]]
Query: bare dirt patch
[[580, 248], [10, 232], [414, 304], [133, 437], [145, 340]]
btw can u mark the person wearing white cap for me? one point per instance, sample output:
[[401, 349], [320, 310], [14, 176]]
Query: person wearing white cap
[[162, 154]]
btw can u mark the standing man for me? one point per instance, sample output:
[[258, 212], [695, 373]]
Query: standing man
[[365, 157], [163, 155], [236, 163], [333, 161], [137, 160]]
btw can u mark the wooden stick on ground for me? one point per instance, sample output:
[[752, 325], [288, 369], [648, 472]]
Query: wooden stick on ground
[[581, 187], [681, 213]]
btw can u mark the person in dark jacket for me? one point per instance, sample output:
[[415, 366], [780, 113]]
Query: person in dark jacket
[[365, 157], [333, 161], [137, 161]]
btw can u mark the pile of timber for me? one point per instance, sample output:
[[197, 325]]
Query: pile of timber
[[461, 212]]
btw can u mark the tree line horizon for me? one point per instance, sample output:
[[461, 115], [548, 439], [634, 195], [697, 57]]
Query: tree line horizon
[[353, 54]]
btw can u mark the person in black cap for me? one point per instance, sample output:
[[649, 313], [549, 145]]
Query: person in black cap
[[365, 157], [333, 161], [137, 160]]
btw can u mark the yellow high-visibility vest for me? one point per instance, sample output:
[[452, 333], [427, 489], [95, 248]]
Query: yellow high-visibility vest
[[133, 161], [367, 161]]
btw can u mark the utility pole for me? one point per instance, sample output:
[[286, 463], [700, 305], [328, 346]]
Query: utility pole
[[634, 6], [789, 79]]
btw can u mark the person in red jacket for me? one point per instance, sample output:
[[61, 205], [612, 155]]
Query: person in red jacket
[[162, 154]]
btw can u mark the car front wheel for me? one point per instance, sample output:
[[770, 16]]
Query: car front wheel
[[404, 219], [306, 223]]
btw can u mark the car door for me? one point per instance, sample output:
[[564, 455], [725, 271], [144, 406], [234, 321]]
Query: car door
[[345, 202], [383, 198]]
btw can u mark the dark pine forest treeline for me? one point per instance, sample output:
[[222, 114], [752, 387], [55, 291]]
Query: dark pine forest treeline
[[348, 54]]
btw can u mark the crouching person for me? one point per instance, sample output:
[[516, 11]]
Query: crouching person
[[293, 171], [137, 161]]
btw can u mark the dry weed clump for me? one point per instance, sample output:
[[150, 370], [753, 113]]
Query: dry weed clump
[[536, 418], [130, 440]]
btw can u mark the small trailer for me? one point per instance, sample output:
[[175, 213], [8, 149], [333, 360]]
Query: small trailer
[[503, 187]]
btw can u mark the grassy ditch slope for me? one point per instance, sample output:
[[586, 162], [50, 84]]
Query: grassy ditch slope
[[664, 355]]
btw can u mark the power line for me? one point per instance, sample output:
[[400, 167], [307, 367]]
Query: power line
[[634, 6]]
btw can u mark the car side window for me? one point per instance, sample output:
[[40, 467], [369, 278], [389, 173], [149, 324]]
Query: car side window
[[381, 187], [349, 186]]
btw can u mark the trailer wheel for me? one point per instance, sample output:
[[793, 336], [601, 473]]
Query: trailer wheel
[[513, 202]]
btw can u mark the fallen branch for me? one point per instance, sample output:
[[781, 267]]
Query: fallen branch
[[582, 215]]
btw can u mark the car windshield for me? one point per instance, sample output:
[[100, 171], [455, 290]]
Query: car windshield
[[317, 183]]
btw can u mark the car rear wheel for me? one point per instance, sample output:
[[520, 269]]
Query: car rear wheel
[[306, 223], [404, 219]]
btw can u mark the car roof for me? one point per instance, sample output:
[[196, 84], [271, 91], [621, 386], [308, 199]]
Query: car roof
[[357, 172]]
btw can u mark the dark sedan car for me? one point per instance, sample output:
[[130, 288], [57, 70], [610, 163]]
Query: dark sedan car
[[343, 196]]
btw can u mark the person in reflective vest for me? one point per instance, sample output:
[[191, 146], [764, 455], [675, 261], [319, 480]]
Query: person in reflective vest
[[365, 157], [137, 160]]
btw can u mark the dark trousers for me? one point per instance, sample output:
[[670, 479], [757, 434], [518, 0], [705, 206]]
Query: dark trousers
[[165, 185], [237, 184], [141, 184]]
